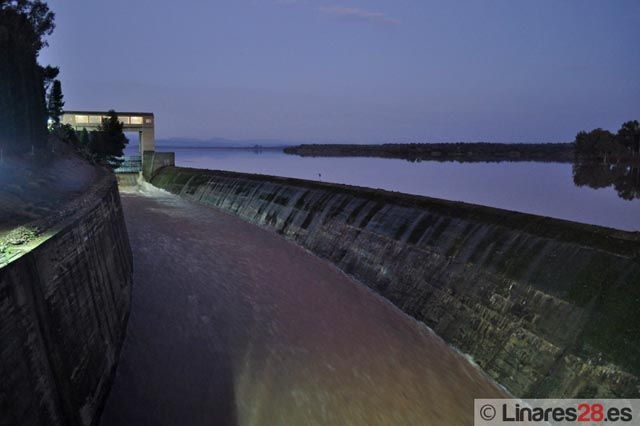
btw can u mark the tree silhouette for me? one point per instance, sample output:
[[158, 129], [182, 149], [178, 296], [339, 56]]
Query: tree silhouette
[[49, 74], [629, 137], [40, 18], [597, 143], [108, 142], [55, 102], [24, 25]]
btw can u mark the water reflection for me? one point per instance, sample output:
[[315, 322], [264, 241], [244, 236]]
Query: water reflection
[[541, 188], [624, 178]]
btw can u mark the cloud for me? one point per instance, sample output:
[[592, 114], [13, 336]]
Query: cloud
[[360, 15]]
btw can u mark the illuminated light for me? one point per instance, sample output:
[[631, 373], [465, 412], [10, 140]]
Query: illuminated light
[[148, 121], [95, 119], [136, 120], [124, 120], [82, 119]]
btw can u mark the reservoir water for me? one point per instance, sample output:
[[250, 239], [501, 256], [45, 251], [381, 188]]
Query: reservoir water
[[545, 189]]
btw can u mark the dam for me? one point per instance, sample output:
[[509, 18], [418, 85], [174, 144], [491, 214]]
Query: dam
[[232, 324], [239, 299], [546, 307], [276, 335], [393, 274]]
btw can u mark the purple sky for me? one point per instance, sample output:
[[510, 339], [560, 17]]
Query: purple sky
[[362, 71]]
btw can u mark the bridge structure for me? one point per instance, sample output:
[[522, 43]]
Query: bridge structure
[[148, 161], [141, 122]]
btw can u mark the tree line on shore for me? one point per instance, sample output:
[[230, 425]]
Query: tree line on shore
[[460, 152], [32, 102], [599, 157], [605, 159], [31, 98], [603, 145]]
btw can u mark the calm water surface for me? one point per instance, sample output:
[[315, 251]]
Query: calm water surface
[[541, 188]]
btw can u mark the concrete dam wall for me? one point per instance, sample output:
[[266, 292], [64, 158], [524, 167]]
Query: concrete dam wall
[[64, 304], [547, 308]]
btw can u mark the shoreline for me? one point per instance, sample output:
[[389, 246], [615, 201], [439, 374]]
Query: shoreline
[[461, 152]]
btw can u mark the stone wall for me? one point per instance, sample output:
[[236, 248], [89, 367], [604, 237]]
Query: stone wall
[[64, 305], [547, 308]]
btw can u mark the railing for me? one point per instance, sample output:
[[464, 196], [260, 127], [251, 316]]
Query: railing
[[130, 164]]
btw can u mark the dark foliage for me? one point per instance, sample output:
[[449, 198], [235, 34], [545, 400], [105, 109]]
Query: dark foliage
[[605, 159], [602, 145], [623, 177], [55, 102], [24, 26], [39, 17], [460, 152], [104, 146], [49, 74], [108, 143], [629, 137]]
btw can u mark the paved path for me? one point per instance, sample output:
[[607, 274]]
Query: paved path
[[233, 325]]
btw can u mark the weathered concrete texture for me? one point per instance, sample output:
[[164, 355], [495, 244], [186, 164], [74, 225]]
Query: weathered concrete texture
[[153, 161], [546, 307], [126, 180], [63, 310], [232, 325]]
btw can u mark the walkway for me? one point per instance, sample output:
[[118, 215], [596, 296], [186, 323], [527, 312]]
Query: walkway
[[233, 325]]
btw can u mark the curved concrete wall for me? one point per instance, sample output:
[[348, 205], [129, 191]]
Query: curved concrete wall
[[545, 307], [63, 310]]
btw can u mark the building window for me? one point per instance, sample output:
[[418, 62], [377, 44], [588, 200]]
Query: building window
[[82, 119], [148, 120], [95, 119], [124, 120], [136, 120]]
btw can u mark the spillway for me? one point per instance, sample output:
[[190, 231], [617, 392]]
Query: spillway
[[546, 307], [232, 324]]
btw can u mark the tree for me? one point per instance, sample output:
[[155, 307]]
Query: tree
[[108, 143], [85, 139], [55, 102], [80, 141], [39, 16], [66, 133], [49, 74], [24, 26], [629, 137], [596, 144]]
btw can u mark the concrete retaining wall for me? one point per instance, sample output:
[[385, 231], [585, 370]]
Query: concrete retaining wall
[[63, 310], [153, 161], [545, 307]]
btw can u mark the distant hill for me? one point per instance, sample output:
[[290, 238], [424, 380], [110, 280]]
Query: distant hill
[[221, 143]]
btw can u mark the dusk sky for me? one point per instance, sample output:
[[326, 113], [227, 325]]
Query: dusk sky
[[361, 71]]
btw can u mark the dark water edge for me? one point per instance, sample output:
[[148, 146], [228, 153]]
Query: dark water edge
[[542, 188], [461, 152], [621, 173]]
